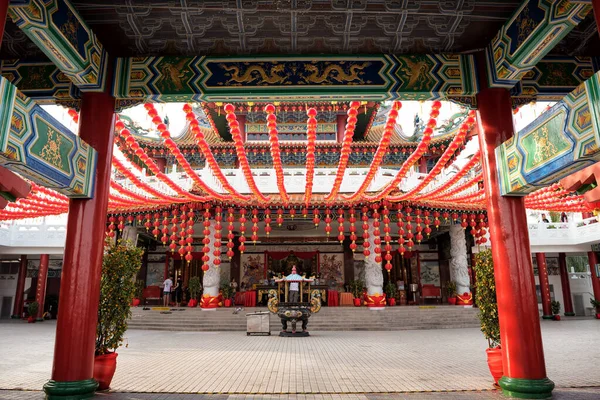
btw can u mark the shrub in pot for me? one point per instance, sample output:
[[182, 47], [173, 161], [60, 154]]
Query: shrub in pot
[[488, 310], [391, 291], [450, 288], [357, 287], [596, 304], [120, 265], [32, 309], [195, 287], [139, 292], [555, 305], [226, 292]]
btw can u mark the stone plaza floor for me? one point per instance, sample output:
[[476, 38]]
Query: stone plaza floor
[[328, 365]]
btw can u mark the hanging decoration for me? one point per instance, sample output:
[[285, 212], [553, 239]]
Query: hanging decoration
[[389, 130], [412, 159], [208, 155], [311, 135], [234, 129], [206, 239], [353, 237], [218, 227], [268, 228], [275, 153], [365, 227], [254, 228], [401, 231], [345, 151], [230, 235], [340, 221], [242, 238]]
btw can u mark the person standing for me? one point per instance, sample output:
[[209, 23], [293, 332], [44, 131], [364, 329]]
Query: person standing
[[167, 285], [179, 291], [294, 286]]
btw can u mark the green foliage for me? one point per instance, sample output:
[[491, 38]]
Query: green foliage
[[139, 289], [595, 303], [577, 263], [226, 289], [486, 297], [554, 216], [450, 288], [195, 287], [390, 290], [356, 287], [32, 308], [119, 267], [555, 305]]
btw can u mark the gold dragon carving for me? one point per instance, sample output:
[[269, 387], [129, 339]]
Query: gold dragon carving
[[335, 73], [51, 150], [254, 74], [544, 148]]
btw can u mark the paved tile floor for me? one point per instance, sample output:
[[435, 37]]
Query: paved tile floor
[[328, 365]]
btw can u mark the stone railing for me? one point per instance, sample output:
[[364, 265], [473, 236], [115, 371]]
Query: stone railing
[[40, 234], [564, 233]]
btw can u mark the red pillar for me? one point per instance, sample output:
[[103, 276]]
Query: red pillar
[[3, 13], [520, 333], [423, 165], [544, 285], [593, 259], [18, 307], [341, 127], [566, 285], [40, 292], [596, 7], [72, 371]]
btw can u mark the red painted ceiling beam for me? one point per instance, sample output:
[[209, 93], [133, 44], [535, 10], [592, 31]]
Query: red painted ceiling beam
[[12, 187]]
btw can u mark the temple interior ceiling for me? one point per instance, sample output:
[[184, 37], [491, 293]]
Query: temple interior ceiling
[[228, 27]]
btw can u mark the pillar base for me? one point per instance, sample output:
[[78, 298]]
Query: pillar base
[[547, 316], [39, 319], [15, 317], [70, 390], [569, 314], [526, 388]]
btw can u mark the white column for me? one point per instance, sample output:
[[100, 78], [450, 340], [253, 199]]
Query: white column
[[459, 267], [373, 272], [212, 277]]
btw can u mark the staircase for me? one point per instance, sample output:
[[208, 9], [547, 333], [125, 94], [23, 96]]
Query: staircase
[[328, 319]]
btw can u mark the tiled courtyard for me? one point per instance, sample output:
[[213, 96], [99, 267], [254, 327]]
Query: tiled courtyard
[[328, 365]]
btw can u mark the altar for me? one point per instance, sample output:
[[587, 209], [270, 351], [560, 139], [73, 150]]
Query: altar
[[263, 291]]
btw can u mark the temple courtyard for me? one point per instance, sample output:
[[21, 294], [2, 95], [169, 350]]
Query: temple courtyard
[[327, 365]]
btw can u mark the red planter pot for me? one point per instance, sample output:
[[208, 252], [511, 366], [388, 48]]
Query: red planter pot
[[494, 359], [31, 320], [357, 302], [104, 369], [192, 303], [598, 316], [227, 303], [135, 302], [452, 301], [556, 317], [391, 301]]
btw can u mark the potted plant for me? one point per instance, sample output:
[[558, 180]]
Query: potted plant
[[488, 311], [32, 309], [356, 287], [596, 305], [226, 292], [555, 305], [120, 264], [391, 291], [139, 291], [195, 287], [450, 288]]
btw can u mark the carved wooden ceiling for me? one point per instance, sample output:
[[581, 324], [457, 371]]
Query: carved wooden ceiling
[[234, 27]]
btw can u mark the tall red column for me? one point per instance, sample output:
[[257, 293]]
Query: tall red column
[[520, 333], [593, 259], [596, 8], [40, 292], [3, 13], [72, 371], [341, 127], [566, 285], [18, 306], [544, 285]]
